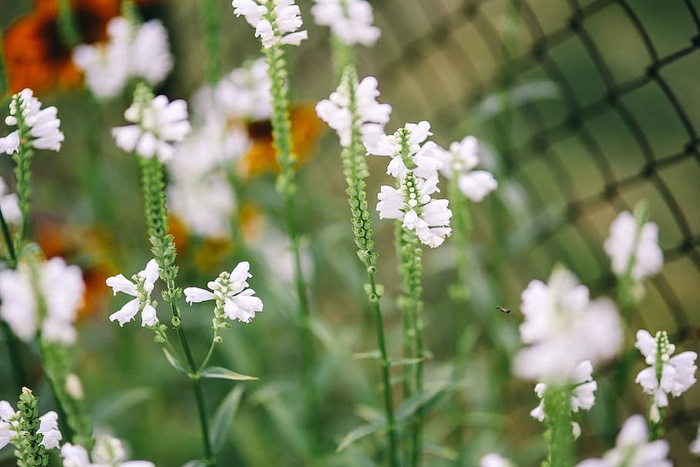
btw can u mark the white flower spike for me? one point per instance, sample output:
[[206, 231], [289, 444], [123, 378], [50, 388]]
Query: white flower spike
[[632, 448], [276, 22], [458, 163], [234, 299], [675, 374], [633, 246], [140, 287], [157, 123], [43, 124], [563, 328], [350, 20]]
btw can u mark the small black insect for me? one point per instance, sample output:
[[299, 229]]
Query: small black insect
[[503, 310]]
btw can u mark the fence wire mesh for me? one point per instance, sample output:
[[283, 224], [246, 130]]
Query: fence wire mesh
[[591, 106]]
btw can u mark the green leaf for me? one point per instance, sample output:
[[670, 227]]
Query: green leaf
[[422, 399], [441, 451], [404, 361], [359, 433], [217, 372], [117, 404], [174, 362], [373, 354], [223, 417]]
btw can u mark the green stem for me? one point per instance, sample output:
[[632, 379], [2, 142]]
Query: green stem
[[15, 353], [281, 135], [557, 408], [163, 249], [212, 39]]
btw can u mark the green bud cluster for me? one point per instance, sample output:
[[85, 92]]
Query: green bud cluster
[[22, 159], [30, 452], [560, 436]]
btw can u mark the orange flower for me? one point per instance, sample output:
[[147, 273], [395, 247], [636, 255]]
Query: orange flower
[[261, 157], [36, 56]]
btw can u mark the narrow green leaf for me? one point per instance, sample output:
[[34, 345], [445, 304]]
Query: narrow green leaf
[[174, 362], [404, 361], [217, 372], [373, 354], [359, 433], [422, 399], [221, 422], [117, 404], [441, 451]]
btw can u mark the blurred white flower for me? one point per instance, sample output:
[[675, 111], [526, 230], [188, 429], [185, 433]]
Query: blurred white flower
[[140, 286], [458, 163], [10, 423], [633, 246], [633, 449], [562, 328], [61, 288], [275, 21], [665, 374], [694, 445], [108, 451], [231, 293], [44, 126], [48, 426], [9, 204], [582, 396], [371, 116], [350, 20], [157, 124], [141, 52], [495, 460], [7, 428]]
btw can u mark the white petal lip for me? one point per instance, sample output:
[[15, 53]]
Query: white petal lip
[[126, 313], [150, 272], [197, 295], [119, 283], [240, 272], [149, 316]]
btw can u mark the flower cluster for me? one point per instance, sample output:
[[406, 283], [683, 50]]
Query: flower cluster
[[633, 449], [350, 20], [563, 328], [107, 451], [46, 296], [131, 51], [275, 21], [665, 374], [415, 166], [458, 163], [140, 286], [369, 115], [39, 126], [582, 396], [11, 426], [157, 123], [234, 300]]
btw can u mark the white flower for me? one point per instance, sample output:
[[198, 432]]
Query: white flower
[[349, 20], [582, 396], [278, 25], [494, 460], [562, 328], [677, 373], [157, 124], [232, 295], [44, 132], [7, 428], [695, 445], [61, 288], [632, 448], [106, 66], [371, 116], [424, 157], [9, 204], [129, 52], [108, 451], [630, 245], [49, 428], [459, 161], [10, 420], [140, 287]]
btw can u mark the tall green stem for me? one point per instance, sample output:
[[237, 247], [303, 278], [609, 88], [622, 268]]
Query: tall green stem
[[281, 137], [356, 170], [163, 249], [557, 408], [212, 39]]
